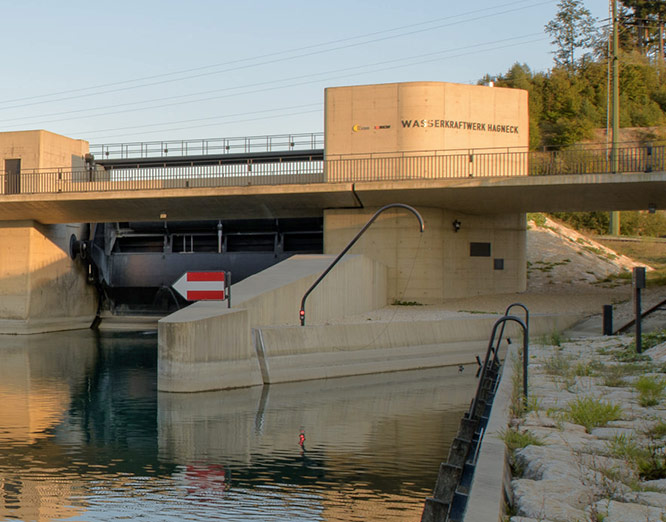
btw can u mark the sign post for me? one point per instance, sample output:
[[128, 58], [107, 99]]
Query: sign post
[[204, 286]]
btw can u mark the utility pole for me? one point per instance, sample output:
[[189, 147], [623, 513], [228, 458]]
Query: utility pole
[[614, 225], [661, 58]]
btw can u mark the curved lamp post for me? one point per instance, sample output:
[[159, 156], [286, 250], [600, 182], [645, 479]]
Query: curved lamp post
[[351, 244]]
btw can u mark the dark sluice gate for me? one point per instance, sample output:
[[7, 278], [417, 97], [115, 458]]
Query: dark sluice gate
[[134, 264]]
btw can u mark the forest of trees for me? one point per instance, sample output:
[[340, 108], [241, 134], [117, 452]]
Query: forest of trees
[[570, 101]]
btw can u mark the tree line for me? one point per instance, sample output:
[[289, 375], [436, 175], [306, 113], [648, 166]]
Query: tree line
[[569, 101]]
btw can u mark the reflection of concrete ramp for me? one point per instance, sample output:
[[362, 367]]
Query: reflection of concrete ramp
[[237, 426]]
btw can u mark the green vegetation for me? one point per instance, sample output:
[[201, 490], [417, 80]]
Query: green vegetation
[[650, 390], [658, 431], [651, 251], [634, 223], [651, 339], [538, 218], [515, 439], [555, 338], [591, 413], [569, 103], [629, 355], [615, 375], [547, 266], [398, 302], [557, 365], [648, 340], [650, 461]]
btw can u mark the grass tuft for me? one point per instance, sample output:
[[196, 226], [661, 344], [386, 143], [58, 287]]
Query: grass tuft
[[650, 390], [515, 439], [591, 413]]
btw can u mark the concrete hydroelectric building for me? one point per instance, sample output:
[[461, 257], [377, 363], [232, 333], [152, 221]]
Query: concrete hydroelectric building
[[391, 133], [405, 122]]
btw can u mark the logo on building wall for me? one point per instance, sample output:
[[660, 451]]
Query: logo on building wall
[[461, 125], [357, 127]]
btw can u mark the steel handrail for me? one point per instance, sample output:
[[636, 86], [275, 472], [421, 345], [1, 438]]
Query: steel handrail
[[506, 312], [491, 352], [316, 170], [350, 244]]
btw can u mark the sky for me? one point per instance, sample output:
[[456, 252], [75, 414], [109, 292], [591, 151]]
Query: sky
[[149, 71]]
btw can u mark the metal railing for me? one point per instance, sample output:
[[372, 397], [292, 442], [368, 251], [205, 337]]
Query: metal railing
[[209, 146], [303, 171]]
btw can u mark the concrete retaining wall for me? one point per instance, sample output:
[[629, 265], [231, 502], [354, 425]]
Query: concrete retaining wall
[[314, 352], [200, 352]]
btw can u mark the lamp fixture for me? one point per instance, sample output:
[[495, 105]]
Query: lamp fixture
[[456, 225]]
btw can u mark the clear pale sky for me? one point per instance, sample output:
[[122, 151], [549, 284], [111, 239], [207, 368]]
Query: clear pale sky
[[145, 70]]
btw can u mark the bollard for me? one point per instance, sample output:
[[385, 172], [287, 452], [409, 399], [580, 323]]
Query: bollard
[[638, 281], [608, 320]]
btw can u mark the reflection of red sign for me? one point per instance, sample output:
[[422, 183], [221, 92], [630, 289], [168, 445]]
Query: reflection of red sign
[[201, 286], [206, 477]]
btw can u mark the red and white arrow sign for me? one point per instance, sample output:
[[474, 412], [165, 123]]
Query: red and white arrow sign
[[201, 286]]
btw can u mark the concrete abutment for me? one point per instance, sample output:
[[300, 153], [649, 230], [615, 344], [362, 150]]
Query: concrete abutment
[[484, 254]]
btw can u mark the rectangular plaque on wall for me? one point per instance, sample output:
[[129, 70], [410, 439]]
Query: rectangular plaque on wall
[[479, 249]]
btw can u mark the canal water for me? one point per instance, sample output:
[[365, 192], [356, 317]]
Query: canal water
[[85, 436]]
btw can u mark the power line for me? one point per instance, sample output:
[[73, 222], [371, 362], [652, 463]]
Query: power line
[[354, 74], [271, 82], [320, 110], [277, 53], [303, 55], [202, 119]]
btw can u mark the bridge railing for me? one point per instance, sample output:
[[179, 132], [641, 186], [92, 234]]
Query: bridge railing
[[495, 164], [209, 146], [300, 171]]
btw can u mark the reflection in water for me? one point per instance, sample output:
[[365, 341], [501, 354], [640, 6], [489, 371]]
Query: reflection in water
[[85, 436]]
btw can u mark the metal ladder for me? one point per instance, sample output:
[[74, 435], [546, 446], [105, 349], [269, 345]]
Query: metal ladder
[[454, 481]]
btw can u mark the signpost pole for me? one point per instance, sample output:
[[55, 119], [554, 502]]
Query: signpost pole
[[227, 287]]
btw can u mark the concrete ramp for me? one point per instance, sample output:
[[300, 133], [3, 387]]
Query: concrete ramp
[[208, 346]]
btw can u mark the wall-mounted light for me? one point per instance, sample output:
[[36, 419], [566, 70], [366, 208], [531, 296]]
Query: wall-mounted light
[[456, 225], [652, 208]]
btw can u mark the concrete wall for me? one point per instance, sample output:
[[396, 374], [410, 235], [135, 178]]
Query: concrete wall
[[423, 116], [40, 149], [207, 346], [437, 264], [290, 353], [41, 287]]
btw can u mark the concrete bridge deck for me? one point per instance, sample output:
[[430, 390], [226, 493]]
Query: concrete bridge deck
[[566, 192]]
